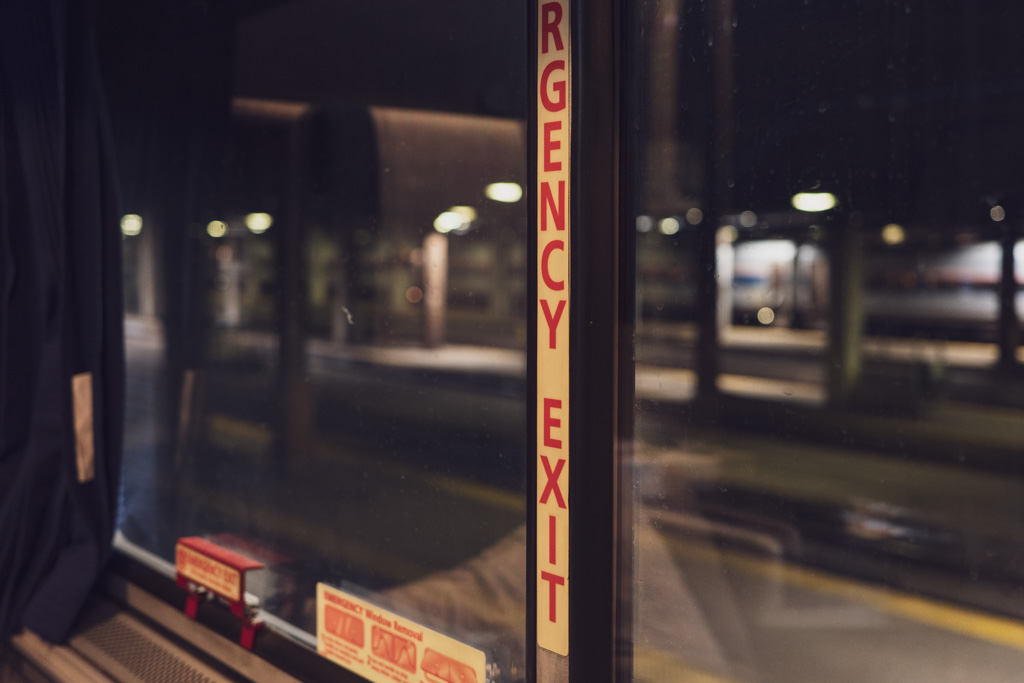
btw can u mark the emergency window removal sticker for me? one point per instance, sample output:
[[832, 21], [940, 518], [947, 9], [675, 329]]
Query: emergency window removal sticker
[[385, 648]]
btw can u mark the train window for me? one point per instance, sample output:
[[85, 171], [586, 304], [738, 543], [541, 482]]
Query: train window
[[325, 254], [827, 206]]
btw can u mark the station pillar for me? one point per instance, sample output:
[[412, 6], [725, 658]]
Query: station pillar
[[844, 356], [1009, 325]]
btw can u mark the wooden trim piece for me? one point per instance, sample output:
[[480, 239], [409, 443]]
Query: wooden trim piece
[[58, 662]]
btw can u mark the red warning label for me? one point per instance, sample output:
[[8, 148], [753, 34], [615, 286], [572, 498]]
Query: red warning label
[[386, 648], [391, 648], [344, 626]]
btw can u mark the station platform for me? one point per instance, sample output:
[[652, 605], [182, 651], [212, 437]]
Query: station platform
[[818, 512]]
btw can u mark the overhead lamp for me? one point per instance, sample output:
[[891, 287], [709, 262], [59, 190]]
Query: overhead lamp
[[448, 221], [727, 234], [813, 201], [457, 219], [131, 224], [468, 213], [893, 234], [504, 192], [258, 223], [216, 228], [668, 226]]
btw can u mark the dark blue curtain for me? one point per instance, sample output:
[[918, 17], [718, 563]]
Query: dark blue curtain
[[60, 315]]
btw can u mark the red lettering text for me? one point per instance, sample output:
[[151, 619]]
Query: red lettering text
[[558, 87], [552, 481], [551, 16], [551, 145], [351, 606], [556, 285], [552, 546], [553, 581], [552, 320], [547, 201], [550, 422]]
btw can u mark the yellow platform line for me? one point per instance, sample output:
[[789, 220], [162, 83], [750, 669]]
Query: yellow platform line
[[227, 431], [651, 665], [994, 629], [481, 493]]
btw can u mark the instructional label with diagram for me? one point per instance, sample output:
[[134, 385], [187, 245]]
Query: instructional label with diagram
[[386, 648]]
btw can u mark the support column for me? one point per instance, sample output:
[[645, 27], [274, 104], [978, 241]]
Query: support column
[[341, 314], [148, 270], [719, 183], [1009, 325], [435, 288], [844, 355], [292, 123]]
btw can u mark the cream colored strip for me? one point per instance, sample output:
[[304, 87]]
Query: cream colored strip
[[85, 447]]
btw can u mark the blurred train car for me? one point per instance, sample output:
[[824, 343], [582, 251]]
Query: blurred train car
[[950, 292], [775, 282], [953, 292], [944, 292]]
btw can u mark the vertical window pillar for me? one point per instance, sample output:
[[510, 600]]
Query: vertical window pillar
[[580, 350]]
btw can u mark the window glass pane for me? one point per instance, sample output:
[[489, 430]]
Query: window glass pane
[[326, 304], [828, 415]]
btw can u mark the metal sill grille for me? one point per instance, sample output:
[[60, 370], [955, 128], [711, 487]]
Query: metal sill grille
[[128, 651]]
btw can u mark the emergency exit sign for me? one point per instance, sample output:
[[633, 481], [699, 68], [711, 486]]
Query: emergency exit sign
[[552, 392]]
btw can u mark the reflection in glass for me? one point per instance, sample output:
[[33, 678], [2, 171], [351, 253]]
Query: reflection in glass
[[829, 397], [324, 374]]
